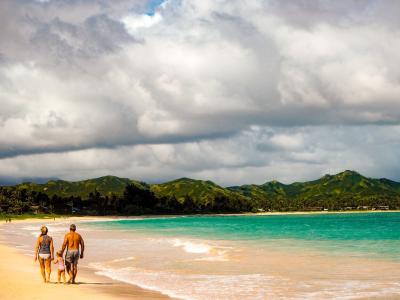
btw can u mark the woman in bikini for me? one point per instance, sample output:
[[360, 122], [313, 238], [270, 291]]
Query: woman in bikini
[[44, 251]]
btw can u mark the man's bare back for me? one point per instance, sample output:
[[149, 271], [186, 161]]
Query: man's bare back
[[72, 241]]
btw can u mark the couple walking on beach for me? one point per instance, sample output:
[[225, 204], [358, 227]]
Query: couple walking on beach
[[44, 252]]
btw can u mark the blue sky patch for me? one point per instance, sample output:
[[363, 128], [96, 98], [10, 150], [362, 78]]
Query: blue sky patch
[[152, 6]]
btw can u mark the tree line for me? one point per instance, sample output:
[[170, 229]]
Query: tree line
[[136, 200]]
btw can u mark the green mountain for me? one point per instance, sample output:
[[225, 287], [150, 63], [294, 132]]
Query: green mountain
[[106, 185], [346, 189], [348, 182], [200, 191]]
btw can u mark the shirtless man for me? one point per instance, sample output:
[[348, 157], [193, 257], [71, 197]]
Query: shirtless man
[[72, 240]]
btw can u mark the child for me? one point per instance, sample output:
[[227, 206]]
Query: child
[[61, 266]]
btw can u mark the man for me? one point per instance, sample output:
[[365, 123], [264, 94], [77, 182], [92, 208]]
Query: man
[[72, 240]]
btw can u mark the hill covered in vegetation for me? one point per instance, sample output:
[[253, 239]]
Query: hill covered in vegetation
[[114, 195], [106, 185], [347, 189]]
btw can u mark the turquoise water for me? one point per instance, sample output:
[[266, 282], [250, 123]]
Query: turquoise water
[[374, 235]]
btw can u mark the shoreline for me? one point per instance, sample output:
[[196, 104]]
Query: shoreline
[[15, 265], [49, 217], [318, 212]]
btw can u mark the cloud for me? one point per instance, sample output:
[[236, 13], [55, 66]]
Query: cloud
[[134, 23], [229, 161], [93, 75]]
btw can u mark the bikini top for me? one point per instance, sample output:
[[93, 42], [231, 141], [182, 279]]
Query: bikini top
[[45, 245]]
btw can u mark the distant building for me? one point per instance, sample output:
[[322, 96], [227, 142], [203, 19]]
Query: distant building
[[315, 208], [364, 207], [349, 208], [37, 209], [382, 207]]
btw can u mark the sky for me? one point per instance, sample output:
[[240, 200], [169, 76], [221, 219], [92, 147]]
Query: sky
[[231, 91]]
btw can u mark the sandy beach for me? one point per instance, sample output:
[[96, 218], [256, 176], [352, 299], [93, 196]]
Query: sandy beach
[[152, 258], [20, 279]]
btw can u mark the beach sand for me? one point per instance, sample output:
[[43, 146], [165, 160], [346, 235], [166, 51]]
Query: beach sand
[[21, 279]]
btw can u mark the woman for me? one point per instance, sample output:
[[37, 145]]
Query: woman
[[44, 251]]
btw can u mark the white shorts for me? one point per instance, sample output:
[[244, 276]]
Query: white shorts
[[44, 255]]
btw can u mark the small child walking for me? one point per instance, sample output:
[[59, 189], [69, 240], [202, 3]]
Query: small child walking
[[61, 267]]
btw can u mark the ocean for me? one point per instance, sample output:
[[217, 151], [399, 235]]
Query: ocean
[[362, 234], [295, 256]]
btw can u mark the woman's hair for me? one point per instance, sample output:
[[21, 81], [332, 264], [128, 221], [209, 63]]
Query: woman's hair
[[43, 230], [59, 253]]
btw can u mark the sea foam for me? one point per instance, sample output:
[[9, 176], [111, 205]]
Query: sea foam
[[192, 247]]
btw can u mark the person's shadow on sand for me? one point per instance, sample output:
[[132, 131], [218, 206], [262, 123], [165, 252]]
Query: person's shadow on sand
[[94, 283], [86, 283]]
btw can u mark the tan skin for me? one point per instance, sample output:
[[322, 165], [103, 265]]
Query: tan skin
[[60, 273], [72, 240], [45, 264]]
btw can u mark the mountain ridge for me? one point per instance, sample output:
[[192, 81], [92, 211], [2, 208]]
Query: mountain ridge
[[333, 192], [340, 174]]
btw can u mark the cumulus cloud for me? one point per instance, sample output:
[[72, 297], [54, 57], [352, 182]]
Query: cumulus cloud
[[206, 87]]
